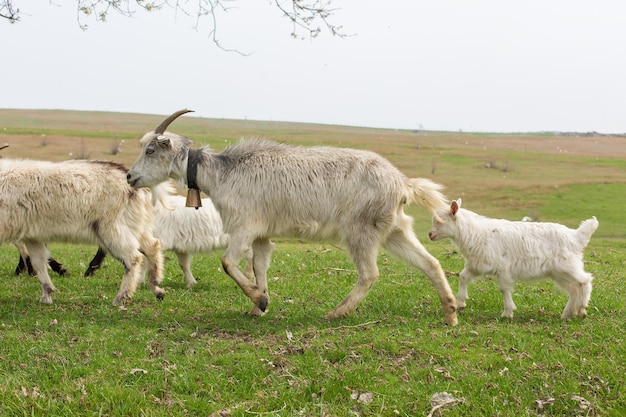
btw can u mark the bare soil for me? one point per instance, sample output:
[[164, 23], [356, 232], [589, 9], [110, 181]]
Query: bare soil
[[594, 146]]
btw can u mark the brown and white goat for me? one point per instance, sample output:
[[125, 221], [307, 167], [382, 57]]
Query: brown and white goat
[[79, 201]]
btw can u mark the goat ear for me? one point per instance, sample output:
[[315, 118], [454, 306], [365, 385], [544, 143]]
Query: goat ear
[[163, 142], [454, 207]]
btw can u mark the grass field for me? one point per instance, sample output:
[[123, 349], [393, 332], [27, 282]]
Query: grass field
[[197, 353]]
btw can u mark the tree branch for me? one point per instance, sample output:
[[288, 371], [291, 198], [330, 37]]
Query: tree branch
[[8, 12], [304, 14], [310, 16]]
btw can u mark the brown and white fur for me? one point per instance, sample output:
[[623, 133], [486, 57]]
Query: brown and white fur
[[79, 201]]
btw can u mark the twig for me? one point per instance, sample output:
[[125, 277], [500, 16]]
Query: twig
[[338, 247], [257, 413], [338, 269], [354, 326], [438, 406]]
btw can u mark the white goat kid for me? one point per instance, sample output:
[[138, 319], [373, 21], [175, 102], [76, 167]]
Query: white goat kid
[[264, 189], [79, 201], [518, 251]]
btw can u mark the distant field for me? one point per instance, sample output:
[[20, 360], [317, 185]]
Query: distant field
[[197, 353], [526, 171]]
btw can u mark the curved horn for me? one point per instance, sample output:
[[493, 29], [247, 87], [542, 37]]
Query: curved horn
[[165, 123]]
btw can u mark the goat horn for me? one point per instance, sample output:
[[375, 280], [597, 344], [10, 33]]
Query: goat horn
[[165, 123]]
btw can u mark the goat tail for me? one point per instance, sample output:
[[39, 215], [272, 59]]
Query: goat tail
[[586, 229], [426, 193]]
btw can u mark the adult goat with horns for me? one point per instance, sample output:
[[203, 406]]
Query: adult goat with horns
[[264, 189]]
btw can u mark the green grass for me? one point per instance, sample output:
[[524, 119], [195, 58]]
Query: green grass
[[198, 353]]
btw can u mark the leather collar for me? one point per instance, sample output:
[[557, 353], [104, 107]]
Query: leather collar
[[193, 159]]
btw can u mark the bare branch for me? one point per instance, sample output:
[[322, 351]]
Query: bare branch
[[309, 16], [304, 14], [211, 11], [99, 9], [7, 11]]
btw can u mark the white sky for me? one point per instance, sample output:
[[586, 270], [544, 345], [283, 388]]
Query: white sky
[[482, 65]]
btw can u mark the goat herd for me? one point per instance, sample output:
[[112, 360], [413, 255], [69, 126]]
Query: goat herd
[[260, 189]]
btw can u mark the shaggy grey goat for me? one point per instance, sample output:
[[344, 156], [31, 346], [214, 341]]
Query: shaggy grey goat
[[264, 189]]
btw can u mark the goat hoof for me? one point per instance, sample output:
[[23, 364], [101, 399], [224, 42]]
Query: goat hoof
[[452, 320], [159, 294], [263, 302], [334, 315], [119, 301], [256, 311]]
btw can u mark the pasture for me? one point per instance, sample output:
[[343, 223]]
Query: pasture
[[197, 353]]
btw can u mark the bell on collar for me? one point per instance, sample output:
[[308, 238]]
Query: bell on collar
[[193, 198]]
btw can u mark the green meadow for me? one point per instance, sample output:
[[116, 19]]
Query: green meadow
[[197, 352]]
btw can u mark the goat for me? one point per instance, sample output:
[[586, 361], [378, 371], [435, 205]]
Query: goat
[[184, 232], [518, 251], [79, 201], [24, 264], [264, 189]]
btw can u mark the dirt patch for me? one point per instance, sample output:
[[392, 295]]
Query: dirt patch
[[594, 146]]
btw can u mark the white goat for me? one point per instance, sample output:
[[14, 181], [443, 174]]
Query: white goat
[[185, 232], [518, 251], [264, 189], [79, 201]]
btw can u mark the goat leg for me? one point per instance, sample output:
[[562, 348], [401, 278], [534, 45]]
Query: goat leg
[[39, 258], [259, 299]]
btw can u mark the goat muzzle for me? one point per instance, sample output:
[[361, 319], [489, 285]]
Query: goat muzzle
[[193, 198]]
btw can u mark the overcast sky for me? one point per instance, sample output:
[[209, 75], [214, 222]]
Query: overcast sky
[[483, 65]]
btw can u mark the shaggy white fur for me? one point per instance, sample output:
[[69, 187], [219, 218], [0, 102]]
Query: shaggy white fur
[[518, 251]]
